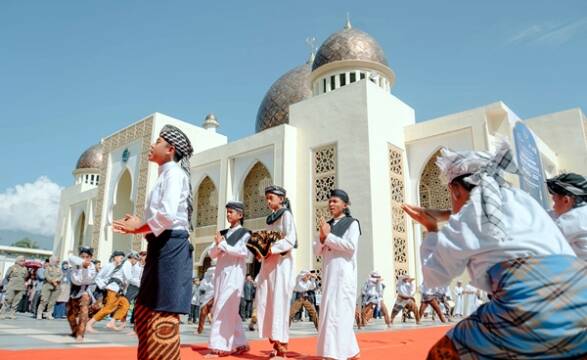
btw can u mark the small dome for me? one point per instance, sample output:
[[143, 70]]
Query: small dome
[[292, 87], [91, 158], [349, 44], [210, 122]]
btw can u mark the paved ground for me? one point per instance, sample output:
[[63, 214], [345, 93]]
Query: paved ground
[[28, 333]]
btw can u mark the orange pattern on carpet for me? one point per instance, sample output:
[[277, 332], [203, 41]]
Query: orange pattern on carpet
[[402, 344]]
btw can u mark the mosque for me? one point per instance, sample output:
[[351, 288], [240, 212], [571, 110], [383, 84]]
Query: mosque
[[331, 122]]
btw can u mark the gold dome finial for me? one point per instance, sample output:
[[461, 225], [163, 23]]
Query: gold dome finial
[[348, 22], [311, 42]]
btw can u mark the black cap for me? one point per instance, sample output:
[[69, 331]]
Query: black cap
[[275, 189], [236, 205], [341, 194]]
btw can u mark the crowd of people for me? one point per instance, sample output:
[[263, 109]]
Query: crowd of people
[[79, 286], [527, 296]]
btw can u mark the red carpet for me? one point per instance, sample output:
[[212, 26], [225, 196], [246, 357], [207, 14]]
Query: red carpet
[[399, 344]]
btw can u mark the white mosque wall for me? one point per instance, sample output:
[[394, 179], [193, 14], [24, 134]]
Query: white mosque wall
[[566, 133], [360, 119], [75, 200], [387, 116], [337, 118]]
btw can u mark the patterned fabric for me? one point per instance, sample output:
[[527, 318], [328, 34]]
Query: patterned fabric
[[260, 242], [158, 334], [488, 175], [444, 349], [183, 148], [78, 314], [406, 305], [538, 311]]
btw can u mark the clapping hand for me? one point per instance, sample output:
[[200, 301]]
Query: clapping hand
[[218, 238], [422, 216], [127, 225], [324, 230]]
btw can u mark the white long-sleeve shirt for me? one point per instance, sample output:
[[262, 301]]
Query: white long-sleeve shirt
[[287, 227], [462, 244], [406, 289], [104, 275], [167, 204], [237, 252], [81, 276], [573, 225], [123, 274], [373, 291], [303, 286], [137, 273]]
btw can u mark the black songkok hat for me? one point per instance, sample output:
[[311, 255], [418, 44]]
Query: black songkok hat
[[568, 184], [86, 250], [236, 205], [341, 194], [118, 253], [275, 189]]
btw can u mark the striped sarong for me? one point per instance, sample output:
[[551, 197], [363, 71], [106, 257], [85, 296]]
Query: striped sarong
[[538, 311], [158, 334]]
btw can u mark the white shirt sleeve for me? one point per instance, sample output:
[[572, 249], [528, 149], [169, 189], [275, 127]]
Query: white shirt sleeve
[[164, 208], [318, 247], [347, 243], [215, 251], [289, 232], [239, 249], [135, 280], [83, 276], [104, 275]]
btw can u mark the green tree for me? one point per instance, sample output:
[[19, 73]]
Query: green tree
[[26, 243]]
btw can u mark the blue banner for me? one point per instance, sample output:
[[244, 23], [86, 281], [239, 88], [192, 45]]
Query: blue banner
[[531, 171]]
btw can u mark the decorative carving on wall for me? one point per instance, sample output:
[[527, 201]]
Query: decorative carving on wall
[[207, 210], [398, 217], [256, 181], [324, 180]]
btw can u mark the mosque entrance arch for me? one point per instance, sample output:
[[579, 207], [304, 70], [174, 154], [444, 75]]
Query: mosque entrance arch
[[79, 233], [122, 205]]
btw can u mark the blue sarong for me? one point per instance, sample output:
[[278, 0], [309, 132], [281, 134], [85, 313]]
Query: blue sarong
[[166, 284], [538, 310]]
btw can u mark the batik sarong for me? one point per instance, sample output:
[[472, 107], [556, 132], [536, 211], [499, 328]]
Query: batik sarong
[[158, 334], [78, 314], [538, 311]]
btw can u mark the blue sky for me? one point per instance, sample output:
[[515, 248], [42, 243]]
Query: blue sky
[[74, 71]]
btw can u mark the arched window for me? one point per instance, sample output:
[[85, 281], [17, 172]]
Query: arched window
[[433, 193], [255, 183], [207, 210]]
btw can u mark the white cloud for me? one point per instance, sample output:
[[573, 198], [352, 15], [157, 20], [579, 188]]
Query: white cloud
[[31, 207], [550, 33]]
